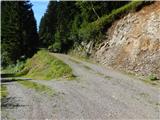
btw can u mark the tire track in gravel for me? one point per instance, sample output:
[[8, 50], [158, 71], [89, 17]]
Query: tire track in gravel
[[101, 93], [97, 93], [26, 104]]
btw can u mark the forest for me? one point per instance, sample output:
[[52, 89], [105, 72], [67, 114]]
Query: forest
[[63, 26], [80, 60]]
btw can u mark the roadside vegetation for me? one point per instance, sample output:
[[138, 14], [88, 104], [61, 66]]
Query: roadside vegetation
[[45, 66], [152, 79], [84, 21], [3, 91], [42, 65], [37, 87], [91, 30]]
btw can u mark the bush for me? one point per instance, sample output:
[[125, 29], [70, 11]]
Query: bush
[[56, 47], [152, 77]]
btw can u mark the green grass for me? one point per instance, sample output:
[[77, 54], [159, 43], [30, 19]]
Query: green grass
[[3, 91], [45, 66], [38, 87], [152, 77]]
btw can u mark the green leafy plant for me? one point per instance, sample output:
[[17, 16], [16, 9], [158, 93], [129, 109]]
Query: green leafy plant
[[152, 77]]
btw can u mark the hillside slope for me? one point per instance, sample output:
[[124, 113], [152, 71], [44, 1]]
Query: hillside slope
[[133, 42]]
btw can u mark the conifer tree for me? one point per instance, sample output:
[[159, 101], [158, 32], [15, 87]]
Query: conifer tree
[[19, 33]]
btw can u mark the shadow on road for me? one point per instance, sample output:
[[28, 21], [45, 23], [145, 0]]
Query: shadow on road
[[8, 77], [11, 103], [5, 75], [12, 80]]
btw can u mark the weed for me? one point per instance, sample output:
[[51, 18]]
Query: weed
[[3, 91], [38, 87], [46, 67], [152, 77]]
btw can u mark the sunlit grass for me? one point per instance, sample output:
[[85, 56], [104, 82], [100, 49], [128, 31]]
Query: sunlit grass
[[37, 87], [3, 91], [46, 67]]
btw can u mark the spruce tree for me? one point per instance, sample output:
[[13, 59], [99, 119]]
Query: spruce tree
[[19, 35]]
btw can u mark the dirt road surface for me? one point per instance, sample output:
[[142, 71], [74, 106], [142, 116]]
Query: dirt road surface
[[97, 93]]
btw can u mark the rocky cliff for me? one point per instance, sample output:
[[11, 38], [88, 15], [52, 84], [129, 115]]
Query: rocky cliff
[[133, 42]]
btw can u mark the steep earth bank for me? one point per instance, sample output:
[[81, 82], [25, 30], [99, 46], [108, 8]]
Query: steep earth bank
[[132, 43]]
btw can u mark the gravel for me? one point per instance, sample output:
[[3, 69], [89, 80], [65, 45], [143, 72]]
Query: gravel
[[96, 93]]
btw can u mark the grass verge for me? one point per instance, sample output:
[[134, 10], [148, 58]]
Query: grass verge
[[3, 91], [38, 87], [46, 67]]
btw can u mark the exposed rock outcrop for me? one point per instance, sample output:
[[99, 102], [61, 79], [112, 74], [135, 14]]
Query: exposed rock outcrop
[[133, 42]]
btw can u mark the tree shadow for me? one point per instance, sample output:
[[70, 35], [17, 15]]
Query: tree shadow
[[12, 80], [11, 103], [9, 77], [6, 75]]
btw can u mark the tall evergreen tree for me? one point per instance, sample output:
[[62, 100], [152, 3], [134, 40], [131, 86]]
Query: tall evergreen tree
[[19, 34], [60, 26]]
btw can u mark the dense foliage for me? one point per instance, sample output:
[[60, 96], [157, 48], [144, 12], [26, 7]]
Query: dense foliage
[[67, 23], [64, 25], [19, 33]]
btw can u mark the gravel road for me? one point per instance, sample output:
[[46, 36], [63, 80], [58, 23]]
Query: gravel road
[[97, 93]]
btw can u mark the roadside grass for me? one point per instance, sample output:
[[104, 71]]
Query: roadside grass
[[44, 66], [152, 79], [3, 91], [38, 87]]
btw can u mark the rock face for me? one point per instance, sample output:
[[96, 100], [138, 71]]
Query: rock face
[[133, 42]]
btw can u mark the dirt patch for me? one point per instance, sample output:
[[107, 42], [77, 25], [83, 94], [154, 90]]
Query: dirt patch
[[133, 42]]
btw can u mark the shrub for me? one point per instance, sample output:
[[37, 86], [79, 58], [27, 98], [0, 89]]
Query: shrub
[[152, 77], [56, 47]]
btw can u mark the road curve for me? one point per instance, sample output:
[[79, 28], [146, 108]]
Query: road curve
[[96, 93]]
